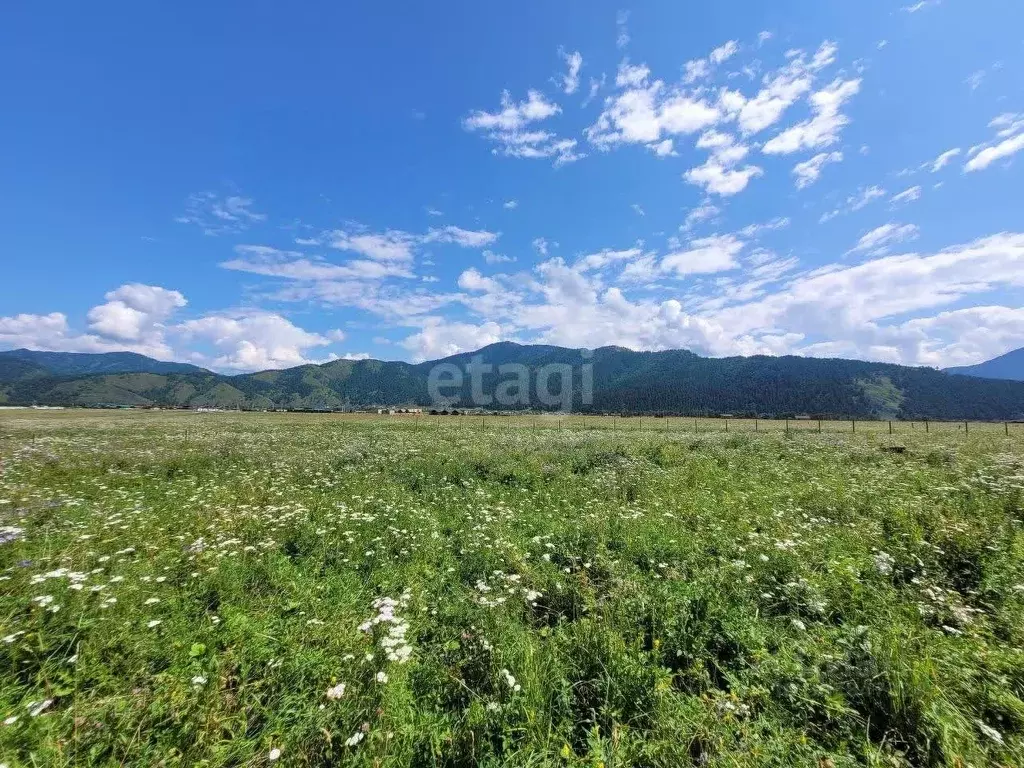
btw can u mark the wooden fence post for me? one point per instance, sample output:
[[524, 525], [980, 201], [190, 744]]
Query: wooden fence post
[[854, 423], [890, 427], [926, 426], [967, 428]]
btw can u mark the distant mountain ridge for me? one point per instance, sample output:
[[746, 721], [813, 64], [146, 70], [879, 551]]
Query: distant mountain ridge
[[83, 363], [624, 381], [1009, 366]]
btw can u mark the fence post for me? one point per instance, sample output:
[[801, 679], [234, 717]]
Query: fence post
[[755, 425], [890, 427], [967, 428], [1006, 428], [819, 426], [787, 426], [696, 429], [926, 426], [854, 422], [726, 425]]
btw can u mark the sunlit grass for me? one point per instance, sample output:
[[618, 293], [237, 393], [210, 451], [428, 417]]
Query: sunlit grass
[[225, 589]]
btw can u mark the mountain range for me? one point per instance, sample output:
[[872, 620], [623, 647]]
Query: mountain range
[[1008, 366], [626, 381]]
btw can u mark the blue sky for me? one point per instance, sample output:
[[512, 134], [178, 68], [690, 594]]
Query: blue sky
[[254, 185]]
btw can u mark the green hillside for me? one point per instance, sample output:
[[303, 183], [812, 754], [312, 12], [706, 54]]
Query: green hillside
[[672, 381]]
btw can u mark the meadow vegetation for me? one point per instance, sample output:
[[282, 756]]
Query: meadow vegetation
[[275, 589]]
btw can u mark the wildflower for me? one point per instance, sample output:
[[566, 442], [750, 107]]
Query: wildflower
[[884, 563], [199, 681], [36, 708], [274, 754], [511, 681], [154, 623], [336, 692], [152, 601], [354, 739], [382, 677]]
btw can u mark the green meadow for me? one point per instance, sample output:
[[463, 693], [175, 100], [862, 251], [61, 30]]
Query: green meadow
[[181, 589]]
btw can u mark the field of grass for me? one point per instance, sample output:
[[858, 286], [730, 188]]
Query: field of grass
[[284, 589]]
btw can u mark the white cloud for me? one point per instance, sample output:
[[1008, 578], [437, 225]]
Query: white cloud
[[217, 215], [943, 160], [638, 209], [250, 341], [135, 314], [855, 202], [989, 155], [540, 245], [605, 258], [510, 205], [571, 79], [881, 239], [664, 148], [497, 258], [782, 88], [720, 180], [810, 171], [763, 37], [472, 280], [823, 128], [440, 338], [724, 52], [706, 210], [719, 175], [645, 112], [392, 245], [975, 79], [906, 196], [915, 7], [510, 128], [705, 255], [695, 69], [467, 238], [621, 19]]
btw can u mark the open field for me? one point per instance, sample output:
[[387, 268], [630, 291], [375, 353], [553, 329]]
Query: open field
[[292, 589]]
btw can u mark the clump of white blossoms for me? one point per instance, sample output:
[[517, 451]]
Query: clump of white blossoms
[[884, 563], [510, 681], [336, 692], [393, 642]]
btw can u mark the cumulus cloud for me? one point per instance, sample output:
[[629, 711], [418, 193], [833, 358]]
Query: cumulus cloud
[[439, 338], [135, 314], [719, 174], [254, 340]]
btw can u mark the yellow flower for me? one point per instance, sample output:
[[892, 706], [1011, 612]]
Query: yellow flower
[[566, 751]]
